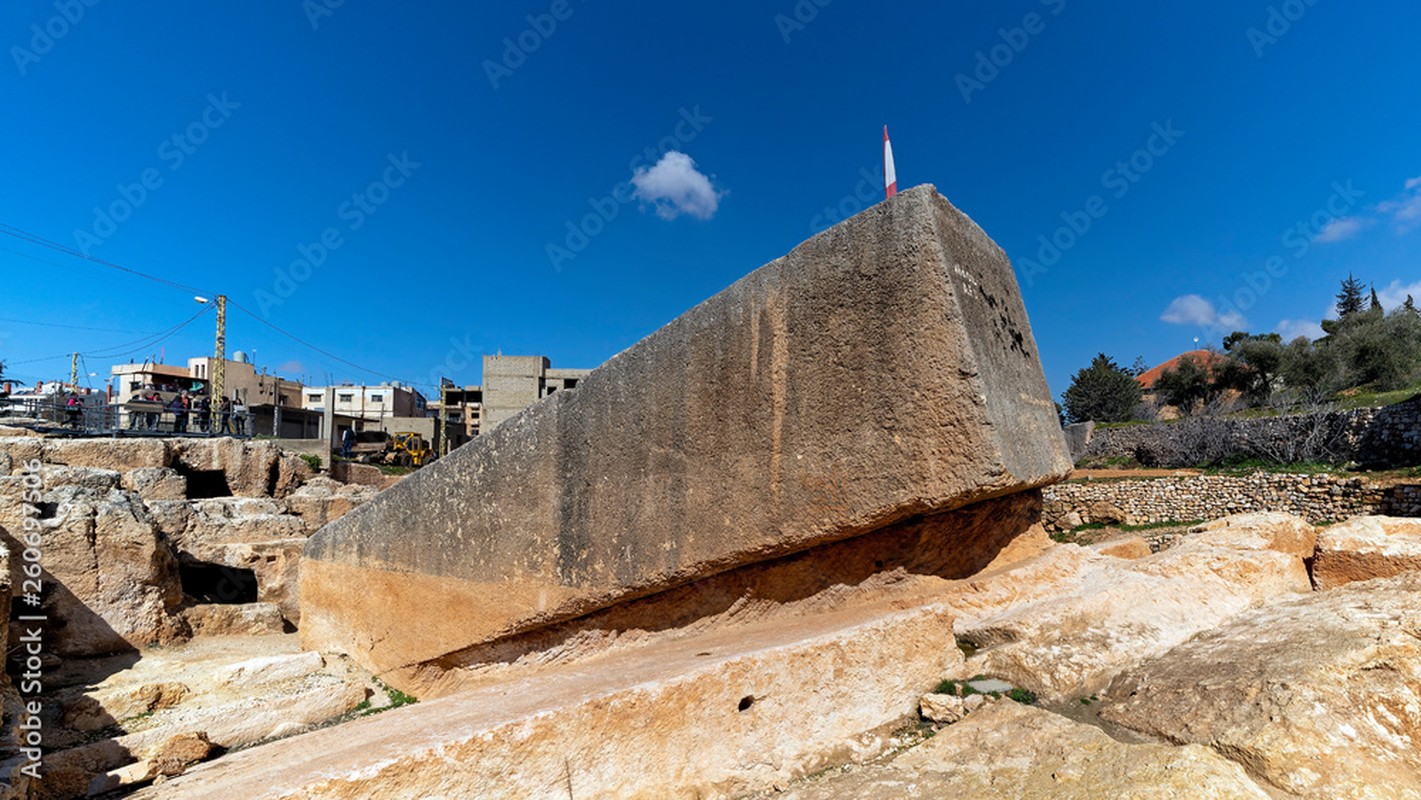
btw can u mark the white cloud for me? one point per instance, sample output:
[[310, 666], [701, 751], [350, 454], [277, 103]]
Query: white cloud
[[1405, 211], [1394, 295], [1413, 183], [1191, 309], [1291, 329], [675, 187], [1341, 228]]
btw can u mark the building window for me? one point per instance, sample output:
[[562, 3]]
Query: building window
[[569, 383], [346, 398], [313, 397], [377, 398]]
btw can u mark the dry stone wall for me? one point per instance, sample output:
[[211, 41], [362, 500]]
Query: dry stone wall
[[1317, 498], [1375, 437]]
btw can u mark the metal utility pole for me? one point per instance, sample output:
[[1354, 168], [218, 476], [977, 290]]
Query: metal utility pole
[[443, 417], [214, 394], [74, 373]]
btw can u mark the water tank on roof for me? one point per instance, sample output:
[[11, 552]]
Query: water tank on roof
[[240, 356]]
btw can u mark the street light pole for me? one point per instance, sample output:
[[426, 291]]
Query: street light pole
[[219, 355], [215, 393]]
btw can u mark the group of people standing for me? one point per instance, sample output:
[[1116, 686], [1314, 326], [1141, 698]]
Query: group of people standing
[[191, 414]]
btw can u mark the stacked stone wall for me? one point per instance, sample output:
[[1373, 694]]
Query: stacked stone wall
[[1317, 498]]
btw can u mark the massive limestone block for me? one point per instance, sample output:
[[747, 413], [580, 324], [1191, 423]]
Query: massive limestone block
[[881, 370]]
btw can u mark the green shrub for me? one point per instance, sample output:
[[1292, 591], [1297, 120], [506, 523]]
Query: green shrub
[[314, 461]]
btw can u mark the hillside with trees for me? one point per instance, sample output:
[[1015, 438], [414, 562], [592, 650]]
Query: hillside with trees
[[1366, 350]]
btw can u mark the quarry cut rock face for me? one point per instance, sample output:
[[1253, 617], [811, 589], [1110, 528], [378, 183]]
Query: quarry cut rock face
[[881, 370]]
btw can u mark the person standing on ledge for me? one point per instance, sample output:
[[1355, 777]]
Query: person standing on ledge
[[347, 441]]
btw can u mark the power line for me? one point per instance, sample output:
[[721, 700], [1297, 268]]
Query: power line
[[69, 327], [293, 337], [33, 238], [23, 235], [113, 352]]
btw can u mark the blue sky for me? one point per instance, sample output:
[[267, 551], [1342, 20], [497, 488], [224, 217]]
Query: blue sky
[[406, 186]]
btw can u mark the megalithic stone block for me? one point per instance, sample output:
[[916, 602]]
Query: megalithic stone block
[[882, 369]]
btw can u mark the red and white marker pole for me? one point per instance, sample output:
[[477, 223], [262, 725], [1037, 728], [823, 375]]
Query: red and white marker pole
[[890, 177]]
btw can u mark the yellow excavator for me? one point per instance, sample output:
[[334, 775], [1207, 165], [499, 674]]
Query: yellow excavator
[[410, 449]]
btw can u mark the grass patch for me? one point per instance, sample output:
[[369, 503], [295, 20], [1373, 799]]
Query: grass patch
[[1244, 466], [1109, 462], [393, 469], [313, 461], [397, 699], [1024, 696], [1370, 398]]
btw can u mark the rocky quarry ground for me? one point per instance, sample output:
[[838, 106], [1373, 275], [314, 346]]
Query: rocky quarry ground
[[168, 603], [1256, 656], [1253, 656]]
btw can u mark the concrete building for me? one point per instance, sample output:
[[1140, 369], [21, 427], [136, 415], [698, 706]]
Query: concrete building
[[366, 403], [242, 382], [512, 383]]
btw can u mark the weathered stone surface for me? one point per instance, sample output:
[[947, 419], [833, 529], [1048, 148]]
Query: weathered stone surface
[[251, 469], [276, 565], [946, 708], [1318, 695], [96, 710], [1007, 751], [236, 520], [322, 500], [1364, 548], [1266, 530], [1068, 621], [235, 619], [235, 690], [156, 483], [881, 370], [181, 752], [1123, 547], [119, 455], [902, 563], [1106, 513], [365, 475], [22, 450], [95, 479], [714, 716], [114, 580]]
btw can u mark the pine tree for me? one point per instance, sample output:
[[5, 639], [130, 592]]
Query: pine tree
[[1376, 304], [1103, 392], [1349, 300], [1410, 305]]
